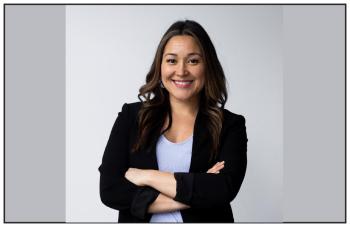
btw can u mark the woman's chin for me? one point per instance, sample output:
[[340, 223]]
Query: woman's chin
[[183, 98]]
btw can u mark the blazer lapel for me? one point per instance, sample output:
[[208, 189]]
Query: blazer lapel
[[200, 152], [153, 153]]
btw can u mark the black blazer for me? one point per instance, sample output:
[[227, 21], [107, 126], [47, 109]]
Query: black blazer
[[208, 195]]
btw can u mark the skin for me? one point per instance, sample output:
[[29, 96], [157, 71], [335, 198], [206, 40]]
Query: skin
[[182, 61]]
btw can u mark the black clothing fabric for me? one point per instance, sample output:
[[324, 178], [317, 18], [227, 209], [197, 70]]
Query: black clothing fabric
[[208, 195]]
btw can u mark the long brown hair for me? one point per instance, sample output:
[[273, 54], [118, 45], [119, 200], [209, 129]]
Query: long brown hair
[[155, 99]]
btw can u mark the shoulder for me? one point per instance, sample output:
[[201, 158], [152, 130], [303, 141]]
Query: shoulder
[[128, 114], [130, 111], [131, 108], [233, 119], [234, 127]]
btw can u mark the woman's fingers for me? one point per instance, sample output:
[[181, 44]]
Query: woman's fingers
[[218, 166]]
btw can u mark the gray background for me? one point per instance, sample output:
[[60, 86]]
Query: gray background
[[285, 68]]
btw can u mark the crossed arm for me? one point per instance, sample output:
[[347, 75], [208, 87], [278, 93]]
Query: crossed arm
[[165, 183]]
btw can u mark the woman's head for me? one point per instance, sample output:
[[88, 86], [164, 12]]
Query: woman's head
[[186, 68], [186, 37]]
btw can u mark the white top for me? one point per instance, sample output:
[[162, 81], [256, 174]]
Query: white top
[[172, 157]]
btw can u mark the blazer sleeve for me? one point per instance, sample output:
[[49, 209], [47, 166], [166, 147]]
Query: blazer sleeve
[[115, 190], [202, 190]]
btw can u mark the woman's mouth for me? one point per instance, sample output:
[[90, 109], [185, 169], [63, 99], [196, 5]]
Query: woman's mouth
[[183, 83]]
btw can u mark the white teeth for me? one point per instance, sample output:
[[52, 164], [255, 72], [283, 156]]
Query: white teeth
[[182, 82]]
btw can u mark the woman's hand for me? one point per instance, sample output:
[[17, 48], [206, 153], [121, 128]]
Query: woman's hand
[[216, 168], [137, 176]]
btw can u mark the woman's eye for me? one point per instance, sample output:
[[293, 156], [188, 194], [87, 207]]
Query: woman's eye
[[193, 61], [171, 61]]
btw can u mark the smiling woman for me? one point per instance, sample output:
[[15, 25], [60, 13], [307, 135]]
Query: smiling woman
[[177, 155]]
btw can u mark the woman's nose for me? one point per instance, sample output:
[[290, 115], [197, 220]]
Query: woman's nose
[[181, 69]]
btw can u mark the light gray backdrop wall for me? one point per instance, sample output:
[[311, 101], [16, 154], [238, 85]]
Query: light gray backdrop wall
[[109, 51]]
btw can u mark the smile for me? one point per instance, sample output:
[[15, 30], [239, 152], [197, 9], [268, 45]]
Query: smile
[[183, 83]]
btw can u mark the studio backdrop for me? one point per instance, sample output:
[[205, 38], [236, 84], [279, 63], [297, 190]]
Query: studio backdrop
[[110, 49]]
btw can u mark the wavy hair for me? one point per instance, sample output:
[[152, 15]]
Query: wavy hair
[[155, 99]]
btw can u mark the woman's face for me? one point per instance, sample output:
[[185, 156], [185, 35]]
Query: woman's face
[[182, 68]]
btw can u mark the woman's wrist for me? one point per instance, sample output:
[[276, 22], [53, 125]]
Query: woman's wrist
[[163, 182], [164, 203], [149, 175]]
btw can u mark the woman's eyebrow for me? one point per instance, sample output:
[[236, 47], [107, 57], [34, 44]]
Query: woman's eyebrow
[[194, 54], [190, 54]]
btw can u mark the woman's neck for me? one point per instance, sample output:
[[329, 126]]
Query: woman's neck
[[184, 108]]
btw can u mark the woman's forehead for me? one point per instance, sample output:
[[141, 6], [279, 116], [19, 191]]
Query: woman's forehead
[[182, 44]]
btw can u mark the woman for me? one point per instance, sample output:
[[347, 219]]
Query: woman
[[178, 155]]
